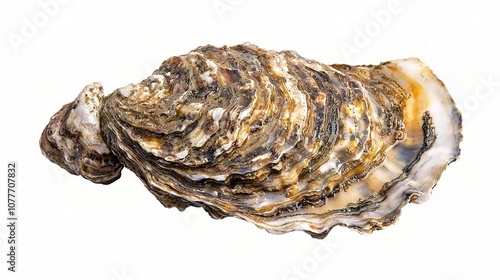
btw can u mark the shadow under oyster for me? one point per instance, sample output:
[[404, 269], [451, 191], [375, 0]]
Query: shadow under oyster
[[278, 140]]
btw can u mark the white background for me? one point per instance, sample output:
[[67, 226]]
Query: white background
[[70, 228]]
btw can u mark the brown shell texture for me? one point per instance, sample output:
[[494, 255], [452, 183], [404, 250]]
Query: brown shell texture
[[281, 141]]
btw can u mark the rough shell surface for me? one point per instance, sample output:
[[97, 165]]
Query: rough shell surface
[[275, 139]]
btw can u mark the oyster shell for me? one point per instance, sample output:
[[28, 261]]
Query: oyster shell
[[275, 139]]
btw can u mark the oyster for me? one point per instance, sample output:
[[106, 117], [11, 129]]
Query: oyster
[[275, 139]]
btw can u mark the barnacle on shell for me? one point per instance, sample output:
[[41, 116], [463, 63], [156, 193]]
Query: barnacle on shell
[[275, 139]]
